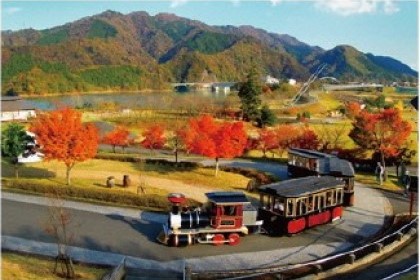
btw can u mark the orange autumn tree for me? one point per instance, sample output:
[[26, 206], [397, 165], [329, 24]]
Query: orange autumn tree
[[64, 137], [286, 134], [353, 109], [267, 140], [307, 139], [154, 137], [117, 137], [384, 132], [215, 140]]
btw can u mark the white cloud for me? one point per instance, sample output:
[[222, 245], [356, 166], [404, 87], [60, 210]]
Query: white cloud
[[390, 7], [177, 3], [275, 2], [350, 7], [235, 2], [12, 10]]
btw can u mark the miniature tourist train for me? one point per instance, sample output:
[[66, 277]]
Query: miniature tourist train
[[286, 208]]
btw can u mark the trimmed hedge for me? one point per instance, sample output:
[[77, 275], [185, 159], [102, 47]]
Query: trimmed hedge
[[163, 162], [120, 197]]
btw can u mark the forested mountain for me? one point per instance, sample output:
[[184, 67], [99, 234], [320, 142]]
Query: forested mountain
[[113, 51]]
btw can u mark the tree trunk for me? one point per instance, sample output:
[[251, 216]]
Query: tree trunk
[[176, 156], [17, 170], [68, 169], [217, 167], [113, 148], [383, 164]]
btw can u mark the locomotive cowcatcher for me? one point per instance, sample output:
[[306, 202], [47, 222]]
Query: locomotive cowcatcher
[[225, 217]]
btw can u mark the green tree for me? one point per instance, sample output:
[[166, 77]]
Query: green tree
[[14, 142], [249, 93], [268, 118]]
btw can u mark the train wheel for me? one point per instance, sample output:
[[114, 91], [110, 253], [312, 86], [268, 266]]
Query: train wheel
[[218, 239], [234, 239]]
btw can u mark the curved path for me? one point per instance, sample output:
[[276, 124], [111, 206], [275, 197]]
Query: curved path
[[106, 234]]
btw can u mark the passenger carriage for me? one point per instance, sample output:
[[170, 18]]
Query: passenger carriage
[[302, 162], [291, 206]]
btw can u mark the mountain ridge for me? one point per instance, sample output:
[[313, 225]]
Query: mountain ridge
[[167, 48]]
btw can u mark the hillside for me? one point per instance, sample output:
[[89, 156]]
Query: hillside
[[113, 51]]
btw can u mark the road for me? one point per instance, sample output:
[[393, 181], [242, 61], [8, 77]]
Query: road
[[136, 237], [405, 258]]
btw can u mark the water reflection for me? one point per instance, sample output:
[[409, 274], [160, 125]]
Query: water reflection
[[155, 100]]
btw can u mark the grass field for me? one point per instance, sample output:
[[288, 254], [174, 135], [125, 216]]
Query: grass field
[[156, 179], [24, 267]]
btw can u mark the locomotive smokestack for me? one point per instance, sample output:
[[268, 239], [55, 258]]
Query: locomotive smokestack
[[176, 199]]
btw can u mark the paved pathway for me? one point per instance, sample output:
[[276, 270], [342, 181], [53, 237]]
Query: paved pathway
[[359, 222]]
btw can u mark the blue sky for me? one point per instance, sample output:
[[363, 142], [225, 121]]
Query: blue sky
[[381, 27]]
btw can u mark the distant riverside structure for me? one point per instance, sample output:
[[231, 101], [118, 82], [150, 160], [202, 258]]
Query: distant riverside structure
[[271, 80], [353, 87], [216, 87], [13, 108], [222, 87]]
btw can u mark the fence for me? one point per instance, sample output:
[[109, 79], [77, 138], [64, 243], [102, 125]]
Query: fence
[[317, 266]]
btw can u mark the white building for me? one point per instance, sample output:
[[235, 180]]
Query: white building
[[271, 80], [13, 108]]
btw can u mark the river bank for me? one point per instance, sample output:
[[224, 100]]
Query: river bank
[[75, 93]]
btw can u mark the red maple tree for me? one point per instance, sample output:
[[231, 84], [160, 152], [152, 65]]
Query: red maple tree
[[307, 139], [286, 134], [120, 136], [353, 109], [383, 132], [64, 137], [267, 140], [215, 140], [154, 137]]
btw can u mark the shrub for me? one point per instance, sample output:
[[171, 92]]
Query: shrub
[[259, 177]]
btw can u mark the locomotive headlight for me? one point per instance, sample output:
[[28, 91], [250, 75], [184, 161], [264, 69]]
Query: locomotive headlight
[[174, 221]]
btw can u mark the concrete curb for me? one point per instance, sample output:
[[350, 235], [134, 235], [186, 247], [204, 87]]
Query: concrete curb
[[374, 257]]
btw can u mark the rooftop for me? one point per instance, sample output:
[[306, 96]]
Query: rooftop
[[302, 186]]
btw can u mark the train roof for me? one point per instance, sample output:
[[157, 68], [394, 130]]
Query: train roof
[[328, 164], [227, 198], [309, 153], [302, 186]]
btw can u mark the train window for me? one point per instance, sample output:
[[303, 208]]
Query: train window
[[279, 205], [316, 202], [310, 203], [321, 202], [229, 211], [290, 207], [329, 198], [349, 184], [340, 196]]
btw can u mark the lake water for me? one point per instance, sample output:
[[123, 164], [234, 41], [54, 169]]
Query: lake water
[[152, 100]]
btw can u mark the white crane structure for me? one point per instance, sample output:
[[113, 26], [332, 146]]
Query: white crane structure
[[304, 89]]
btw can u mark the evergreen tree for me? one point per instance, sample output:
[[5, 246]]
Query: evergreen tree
[[249, 93], [267, 117], [14, 142]]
